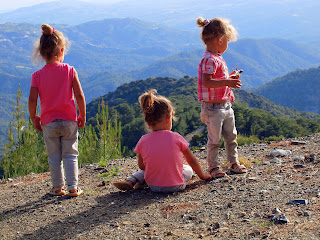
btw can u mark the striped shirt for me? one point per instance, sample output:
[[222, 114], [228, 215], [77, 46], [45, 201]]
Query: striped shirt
[[213, 64]]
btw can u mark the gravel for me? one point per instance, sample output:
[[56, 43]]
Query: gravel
[[277, 199]]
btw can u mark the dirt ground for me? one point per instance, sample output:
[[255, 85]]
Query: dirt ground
[[279, 198]]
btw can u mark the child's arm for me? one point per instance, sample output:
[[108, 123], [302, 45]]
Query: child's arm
[[140, 163], [33, 101], [78, 93], [210, 82], [193, 162]]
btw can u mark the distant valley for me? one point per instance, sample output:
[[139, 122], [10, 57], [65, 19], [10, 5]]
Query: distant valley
[[288, 19], [107, 56]]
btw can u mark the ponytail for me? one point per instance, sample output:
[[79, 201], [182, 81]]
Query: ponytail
[[155, 108]]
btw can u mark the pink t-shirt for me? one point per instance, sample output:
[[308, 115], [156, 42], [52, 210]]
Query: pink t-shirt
[[54, 83], [213, 64], [162, 156]]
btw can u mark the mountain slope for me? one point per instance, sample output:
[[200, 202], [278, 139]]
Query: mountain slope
[[153, 50], [299, 89], [118, 45], [255, 115], [255, 57]]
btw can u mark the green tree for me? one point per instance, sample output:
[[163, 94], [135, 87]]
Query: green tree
[[25, 151], [102, 143]]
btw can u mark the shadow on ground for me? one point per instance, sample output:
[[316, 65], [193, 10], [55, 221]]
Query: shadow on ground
[[108, 209]]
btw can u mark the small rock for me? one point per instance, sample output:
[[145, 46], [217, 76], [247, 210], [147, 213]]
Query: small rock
[[252, 179], [298, 201], [255, 233], [243, 214], [298, 166], [276, 211], [298, 158], [246, 220], [317, 192], [295, 142], [275, 160], [214, 226], [280, 153], [99, 169], [310, 158], [306, 214], [280, 219]]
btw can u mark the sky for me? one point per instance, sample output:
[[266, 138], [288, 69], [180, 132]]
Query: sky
[[8, 5]]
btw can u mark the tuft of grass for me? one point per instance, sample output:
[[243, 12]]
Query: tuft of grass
[[274, 138], [108, 176], [245, 162], [244, 140], [90, 192], [262, 224], [256, 160]]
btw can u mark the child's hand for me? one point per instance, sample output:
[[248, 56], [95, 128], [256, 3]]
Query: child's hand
[[234, 83], [206, 177], [235, 74], [81, 121], [36, 123]]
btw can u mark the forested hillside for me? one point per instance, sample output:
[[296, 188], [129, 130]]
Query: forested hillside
[[255, 115], [105, 59], [299, 89]]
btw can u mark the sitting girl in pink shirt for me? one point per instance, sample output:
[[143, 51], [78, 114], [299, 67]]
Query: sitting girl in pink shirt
[[160, 151]]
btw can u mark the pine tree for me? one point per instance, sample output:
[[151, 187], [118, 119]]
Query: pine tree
[[25, 151]]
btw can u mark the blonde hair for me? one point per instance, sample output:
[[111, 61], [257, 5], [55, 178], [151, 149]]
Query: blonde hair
[[155, 108], [49, 45], [216, 27]]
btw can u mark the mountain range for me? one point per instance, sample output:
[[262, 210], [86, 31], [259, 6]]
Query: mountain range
[[287, 19], [106, 55], [112, 52]]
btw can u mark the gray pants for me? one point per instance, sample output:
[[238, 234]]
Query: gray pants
[[187, 174], [61, 140], [220, 121]]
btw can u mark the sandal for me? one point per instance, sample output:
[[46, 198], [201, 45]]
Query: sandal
[[74, 191], [239, 169], [217, 173], [57, 192], [124, 185]]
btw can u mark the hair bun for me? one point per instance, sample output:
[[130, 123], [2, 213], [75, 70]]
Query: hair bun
[[201, 22], [47, 29]]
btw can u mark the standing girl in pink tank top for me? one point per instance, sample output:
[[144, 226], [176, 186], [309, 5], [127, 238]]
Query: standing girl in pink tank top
[[161, 151], [56, 84]]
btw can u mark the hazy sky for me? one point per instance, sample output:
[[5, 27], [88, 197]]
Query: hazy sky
[[7, 5]]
